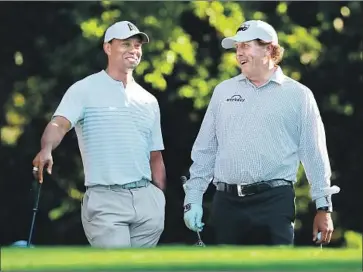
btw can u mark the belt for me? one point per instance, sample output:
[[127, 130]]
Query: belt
[[132, 185], [251, 189]]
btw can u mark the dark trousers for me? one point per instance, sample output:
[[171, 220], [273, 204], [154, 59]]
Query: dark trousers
[[262, 219]]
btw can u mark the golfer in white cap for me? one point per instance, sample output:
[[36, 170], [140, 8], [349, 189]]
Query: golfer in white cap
[[258, 127], [118, 128]]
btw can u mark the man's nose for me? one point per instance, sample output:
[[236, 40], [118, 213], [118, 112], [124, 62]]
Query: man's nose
[[240, 51]]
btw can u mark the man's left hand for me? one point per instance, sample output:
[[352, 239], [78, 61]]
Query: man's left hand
[[324, 224]]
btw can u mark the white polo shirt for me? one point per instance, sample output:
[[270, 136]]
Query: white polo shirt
[[251, 134], [117, 128]]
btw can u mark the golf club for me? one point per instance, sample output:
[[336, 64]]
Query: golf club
[[35, 210], [318, 237], [199, 243]]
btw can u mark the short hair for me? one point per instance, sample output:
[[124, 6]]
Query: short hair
[[277, 50]]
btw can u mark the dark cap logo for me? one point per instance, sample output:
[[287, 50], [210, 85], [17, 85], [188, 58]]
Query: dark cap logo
[[243, 27], [131, 27]]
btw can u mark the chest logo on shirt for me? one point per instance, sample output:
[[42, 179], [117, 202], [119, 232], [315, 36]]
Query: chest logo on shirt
[[235, 98]]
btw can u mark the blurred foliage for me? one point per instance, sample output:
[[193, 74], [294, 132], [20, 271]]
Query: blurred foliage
[[323, 44], [353, 239]]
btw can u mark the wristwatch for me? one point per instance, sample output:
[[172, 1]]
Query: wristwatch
[[187, 207], [325, 209]]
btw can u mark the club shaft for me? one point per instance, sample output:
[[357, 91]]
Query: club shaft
[[35, 210]]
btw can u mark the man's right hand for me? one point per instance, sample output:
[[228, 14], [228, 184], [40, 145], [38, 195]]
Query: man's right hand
[[42, 159], [193, 214]]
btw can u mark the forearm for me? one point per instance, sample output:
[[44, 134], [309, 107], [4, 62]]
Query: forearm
[[203, 156], [52, 136], [314, 155], [201, 171], [317, 168], [158, 170]]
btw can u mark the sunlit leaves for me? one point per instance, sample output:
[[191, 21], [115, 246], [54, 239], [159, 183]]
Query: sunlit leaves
[[281, 8], [152, 21], [300, 41], [333, 103], [338, 24], [224, 17], [23, 105], [182, 46], [108, 17], [66, 206], [93, 28], [353, 239], [18, 58], [156, 79], [10, 134], [18, 100], [345, 11], [14, 118]]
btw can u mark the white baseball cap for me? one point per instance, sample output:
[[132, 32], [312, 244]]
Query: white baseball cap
[[252, 30], [123, 30]]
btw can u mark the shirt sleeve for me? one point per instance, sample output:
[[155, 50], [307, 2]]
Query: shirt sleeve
[[313, 152], [71, 106], [156, 134], [203, 156]]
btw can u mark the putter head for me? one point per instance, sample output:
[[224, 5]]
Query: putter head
[[21, 243], [199, 243]]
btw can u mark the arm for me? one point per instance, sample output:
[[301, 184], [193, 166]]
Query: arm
[[203, 155], [157, 166], [313, 153], [54, 133], [158, 169], [67, 114]]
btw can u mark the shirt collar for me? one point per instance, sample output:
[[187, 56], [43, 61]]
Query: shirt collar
[[113, 81], [278, 76]]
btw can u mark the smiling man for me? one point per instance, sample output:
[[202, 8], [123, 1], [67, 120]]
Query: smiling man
[[258, 127], [118, 128]]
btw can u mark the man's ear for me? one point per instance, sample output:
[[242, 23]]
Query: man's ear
[[107, 48], [269, 49]]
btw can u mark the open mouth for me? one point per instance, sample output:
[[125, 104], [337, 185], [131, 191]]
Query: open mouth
[[243, 62]]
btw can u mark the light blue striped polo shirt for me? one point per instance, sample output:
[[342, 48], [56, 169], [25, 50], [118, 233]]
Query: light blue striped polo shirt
[[117, 128], [251, 134]]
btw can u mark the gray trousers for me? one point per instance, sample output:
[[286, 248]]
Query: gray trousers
[[119, 218]]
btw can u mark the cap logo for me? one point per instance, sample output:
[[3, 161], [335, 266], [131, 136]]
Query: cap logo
[[131, 27], [243, 27]]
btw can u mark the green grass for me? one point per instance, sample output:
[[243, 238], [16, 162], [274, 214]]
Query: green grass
[[182, 258]]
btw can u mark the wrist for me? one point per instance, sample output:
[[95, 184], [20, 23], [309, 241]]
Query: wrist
[[189, 206], [160, 185], [193, 197], [47, 147], [324, 209], [324, 204]]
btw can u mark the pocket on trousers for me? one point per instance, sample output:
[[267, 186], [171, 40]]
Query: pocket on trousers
[[159, 196], [87, 212]]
